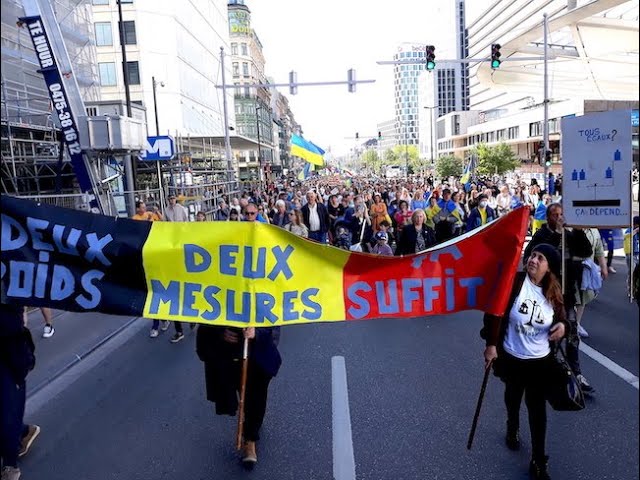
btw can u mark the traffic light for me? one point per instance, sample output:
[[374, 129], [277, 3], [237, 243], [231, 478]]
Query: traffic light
[[547, 158], [379, 135], [357, 135], [431, 57], [495, 55]]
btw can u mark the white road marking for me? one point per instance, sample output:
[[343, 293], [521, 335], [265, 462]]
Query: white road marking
[[610, 365], [344, 465]]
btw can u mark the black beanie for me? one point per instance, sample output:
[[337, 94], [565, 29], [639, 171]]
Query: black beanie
[[553, 257]]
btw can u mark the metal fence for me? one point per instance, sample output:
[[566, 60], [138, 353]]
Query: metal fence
[[196, 198], [76, 201], [204, 198]]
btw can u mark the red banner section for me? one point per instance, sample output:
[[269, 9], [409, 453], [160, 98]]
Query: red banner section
[[472, 272]]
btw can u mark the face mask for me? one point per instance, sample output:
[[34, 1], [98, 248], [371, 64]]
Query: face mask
[[483, 204]]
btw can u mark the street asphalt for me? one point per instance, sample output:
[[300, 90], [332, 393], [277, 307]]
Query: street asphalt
[[140, 412]]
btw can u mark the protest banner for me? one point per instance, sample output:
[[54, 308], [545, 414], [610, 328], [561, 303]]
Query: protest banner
[[242, 273]]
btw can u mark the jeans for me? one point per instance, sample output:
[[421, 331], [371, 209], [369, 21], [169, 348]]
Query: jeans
[[318, 236], [12, 401]]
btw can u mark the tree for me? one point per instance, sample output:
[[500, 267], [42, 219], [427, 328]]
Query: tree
[[390, 157], [495, 160], [371, 160], [407, 155], [448, 166]]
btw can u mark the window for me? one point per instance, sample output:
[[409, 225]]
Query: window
[[107, 74], [129, 32], [101, 2], [245, 69], [103, 34], [236, 69], [245, 51], [234, 49], [134, 73]]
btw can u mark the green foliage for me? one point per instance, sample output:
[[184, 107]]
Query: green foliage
[[390, 157], [495, 160], [447, 166], [372, 161]]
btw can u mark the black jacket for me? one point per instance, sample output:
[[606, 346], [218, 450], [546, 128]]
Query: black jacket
[[222, 362], [323, 214], [408, 236], [495, 327], [17, 350]]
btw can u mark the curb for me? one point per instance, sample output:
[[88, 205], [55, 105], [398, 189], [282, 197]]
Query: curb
[[79, 358]]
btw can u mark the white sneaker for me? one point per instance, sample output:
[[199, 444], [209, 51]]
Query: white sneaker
[[153, 333], [48, 331], [164, 325], [582, 332], [612, 270]]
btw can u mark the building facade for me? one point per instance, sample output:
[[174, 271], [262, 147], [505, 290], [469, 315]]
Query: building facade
[[446, 89], [184, 61], [593, 49], [30, 148], [406, 91], [253, 105]]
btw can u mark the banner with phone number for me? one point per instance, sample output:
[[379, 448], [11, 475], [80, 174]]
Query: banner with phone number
[[242, 273]]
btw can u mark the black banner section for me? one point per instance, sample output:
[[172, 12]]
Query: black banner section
[[93, 264], [51, 72]]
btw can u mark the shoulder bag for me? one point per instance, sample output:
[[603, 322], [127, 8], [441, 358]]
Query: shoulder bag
[[563, 393]]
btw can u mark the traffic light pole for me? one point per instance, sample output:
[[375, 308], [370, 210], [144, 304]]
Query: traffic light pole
[[545, 128]]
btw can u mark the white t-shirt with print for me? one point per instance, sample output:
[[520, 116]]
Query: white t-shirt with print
[[530, 319]]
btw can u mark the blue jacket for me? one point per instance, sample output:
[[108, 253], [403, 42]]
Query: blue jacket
[[475, 220]]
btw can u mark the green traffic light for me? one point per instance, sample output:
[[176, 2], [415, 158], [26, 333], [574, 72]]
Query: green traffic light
[[495, 64], [431, 65]]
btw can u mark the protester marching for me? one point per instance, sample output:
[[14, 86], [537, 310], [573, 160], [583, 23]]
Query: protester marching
[[392, 218]]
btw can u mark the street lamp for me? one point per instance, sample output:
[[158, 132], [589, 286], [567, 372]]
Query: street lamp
[[155, 102], [155, 84], [432, 141], [406, 149], [259, 108]]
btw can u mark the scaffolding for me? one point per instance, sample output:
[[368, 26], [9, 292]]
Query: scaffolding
[[32, 160]]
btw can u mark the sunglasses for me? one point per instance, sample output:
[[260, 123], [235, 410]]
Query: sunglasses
[[251, 213]]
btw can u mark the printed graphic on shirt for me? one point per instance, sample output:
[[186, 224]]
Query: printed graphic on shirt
[[529, 322]]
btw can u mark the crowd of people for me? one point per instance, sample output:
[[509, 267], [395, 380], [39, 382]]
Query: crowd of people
[[383, 217]]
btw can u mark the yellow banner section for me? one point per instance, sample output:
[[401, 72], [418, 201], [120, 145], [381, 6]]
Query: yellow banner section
[[233, 273]]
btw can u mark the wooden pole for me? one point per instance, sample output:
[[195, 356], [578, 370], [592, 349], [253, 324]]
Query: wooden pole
[[243, 390], [476, 416]]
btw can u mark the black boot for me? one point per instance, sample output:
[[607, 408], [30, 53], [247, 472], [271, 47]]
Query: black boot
[[513, 437], [538, 469]]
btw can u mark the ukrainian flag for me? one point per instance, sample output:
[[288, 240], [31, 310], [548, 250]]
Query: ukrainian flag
[[466, 176], [306, 150]]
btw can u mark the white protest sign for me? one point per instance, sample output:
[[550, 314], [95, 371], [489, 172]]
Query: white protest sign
[[596, 168]]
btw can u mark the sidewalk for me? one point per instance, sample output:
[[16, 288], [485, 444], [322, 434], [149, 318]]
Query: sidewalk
[[76, 334]]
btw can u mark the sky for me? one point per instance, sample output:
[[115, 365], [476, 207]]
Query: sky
[[322, 39]]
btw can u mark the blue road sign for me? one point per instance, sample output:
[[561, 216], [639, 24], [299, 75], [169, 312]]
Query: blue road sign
[[159, 148]]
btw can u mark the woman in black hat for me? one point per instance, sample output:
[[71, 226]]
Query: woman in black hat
[[519, 341]]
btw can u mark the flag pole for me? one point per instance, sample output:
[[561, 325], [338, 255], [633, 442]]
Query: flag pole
[[243, 391], [476, 416]]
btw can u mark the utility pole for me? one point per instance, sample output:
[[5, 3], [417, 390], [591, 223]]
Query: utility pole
[[227, 138], [260, 169], [129, 171], [545, 127], [159, 167]]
